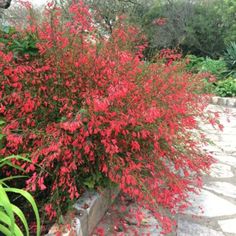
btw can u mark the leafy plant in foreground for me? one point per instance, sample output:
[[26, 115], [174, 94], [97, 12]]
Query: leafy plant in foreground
[[9, 211]]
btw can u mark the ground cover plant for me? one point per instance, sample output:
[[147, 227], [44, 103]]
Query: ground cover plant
[[90, 111], [201, 64], [226, 88]]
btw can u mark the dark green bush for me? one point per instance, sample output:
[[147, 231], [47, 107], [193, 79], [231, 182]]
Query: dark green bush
[[204, 31]]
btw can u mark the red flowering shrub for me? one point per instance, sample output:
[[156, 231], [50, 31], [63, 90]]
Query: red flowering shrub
[[87, 108]]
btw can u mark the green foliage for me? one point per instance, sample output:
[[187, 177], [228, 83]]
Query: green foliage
[[226, 88], [201, 64], [19, 44], [194, 63], [8, 211], [215, 67], [209, 87], [198, 27], [96, 179]]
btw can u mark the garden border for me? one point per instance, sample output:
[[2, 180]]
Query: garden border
[[88, 212], [227, 102]]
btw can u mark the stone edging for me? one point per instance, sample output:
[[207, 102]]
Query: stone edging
[[227, 102], [88, 211]]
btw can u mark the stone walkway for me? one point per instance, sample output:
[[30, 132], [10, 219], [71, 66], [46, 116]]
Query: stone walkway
[[213, 212]]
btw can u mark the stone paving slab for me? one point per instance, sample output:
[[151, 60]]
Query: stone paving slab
[[187, 228], [216, 204], [208, 204], [219, 170], [229, 160], [228, 226], [223, 188]]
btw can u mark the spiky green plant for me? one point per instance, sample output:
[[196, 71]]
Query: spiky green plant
[[9, 211], [230, 59]]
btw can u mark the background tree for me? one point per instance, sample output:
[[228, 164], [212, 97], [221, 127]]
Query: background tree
[[194, 26], [227, 9], [106, 12], [205, 31]]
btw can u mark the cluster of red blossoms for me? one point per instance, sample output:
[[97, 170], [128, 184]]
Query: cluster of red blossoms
[[160, 21], [89, 104]]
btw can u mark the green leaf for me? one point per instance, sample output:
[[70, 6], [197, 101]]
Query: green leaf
[[83, 111], [6, 220], [11, 178], [8, 163], [5, 203], [1, 136], [31, 201], [15, 157], [89, 182], [2, 122], [5, 230], [19, 44], [21, 216], [3, 181]]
